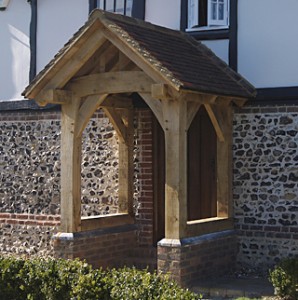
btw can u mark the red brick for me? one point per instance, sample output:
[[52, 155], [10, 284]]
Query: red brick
[[11, 221], [30, 223], [4, 215]]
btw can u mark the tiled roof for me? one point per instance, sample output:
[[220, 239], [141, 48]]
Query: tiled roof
[[184, 62], [192, 65]]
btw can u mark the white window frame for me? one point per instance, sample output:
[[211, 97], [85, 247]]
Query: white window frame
[[216, 21], [4, 4], [119, 10], [193, 15]]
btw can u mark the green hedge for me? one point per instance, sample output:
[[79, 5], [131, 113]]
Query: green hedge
[[39, 279], [284, 278]]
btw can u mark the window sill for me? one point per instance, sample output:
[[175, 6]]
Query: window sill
[[106, 221], [209, 225], [206, 28], [217, 33]]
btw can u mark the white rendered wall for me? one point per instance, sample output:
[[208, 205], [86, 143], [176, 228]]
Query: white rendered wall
[[268, 43], [220, 48], [57, 22], [14, 49], [163, 12]]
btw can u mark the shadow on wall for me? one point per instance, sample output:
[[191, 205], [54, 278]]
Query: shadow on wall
[[14, 51]]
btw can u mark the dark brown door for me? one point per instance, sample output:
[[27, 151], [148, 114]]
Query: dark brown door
[[159, 181], [201, 168]]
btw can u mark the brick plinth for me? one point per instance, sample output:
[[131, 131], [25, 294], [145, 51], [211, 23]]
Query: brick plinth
[[101, 248], [191, 259]]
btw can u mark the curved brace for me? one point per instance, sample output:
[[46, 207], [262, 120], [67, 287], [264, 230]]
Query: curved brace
[[87, 109]]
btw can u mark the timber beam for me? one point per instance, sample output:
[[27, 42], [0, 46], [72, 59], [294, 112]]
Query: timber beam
[[115, 101], [55, 96], [110, 83], [175, 115], [70, 168]]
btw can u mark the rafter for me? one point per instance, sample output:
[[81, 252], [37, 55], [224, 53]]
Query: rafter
[[104, 59], [93, 60], [136, 57], [123, 62]]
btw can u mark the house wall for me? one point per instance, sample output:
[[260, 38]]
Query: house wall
[[220, 48], [57, 21], [14, 50], [265, 186], [267, 47], [164, 13]]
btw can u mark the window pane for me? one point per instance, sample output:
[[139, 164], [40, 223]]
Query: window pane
[[120, 7], [192, 13], [109, 5], [221, 11], [214, 11], [117, 6], [100, 4], [129, 7]]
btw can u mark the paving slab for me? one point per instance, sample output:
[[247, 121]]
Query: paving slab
[[233, 288]]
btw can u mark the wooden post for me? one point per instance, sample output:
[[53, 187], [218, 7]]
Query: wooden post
[[175, 122], [70, 168], [224, 114], [123, 125], [126, 166]]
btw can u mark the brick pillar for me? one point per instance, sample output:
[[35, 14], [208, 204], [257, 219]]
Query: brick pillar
[[191, 259]]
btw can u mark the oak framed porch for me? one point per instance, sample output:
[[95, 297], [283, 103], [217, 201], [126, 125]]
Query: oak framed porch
[[108, 61]]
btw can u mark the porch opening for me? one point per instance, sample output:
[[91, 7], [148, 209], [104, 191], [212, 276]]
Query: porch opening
[[201, 171]]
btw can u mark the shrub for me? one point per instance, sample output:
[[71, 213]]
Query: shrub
[[130, 283], [50, 279], [11, 278], [284, 278]]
